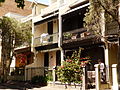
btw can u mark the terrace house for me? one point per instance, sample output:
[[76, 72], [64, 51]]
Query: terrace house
[[58, 31]]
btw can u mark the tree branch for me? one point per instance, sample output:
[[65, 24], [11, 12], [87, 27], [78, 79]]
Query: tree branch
[[111, 14]]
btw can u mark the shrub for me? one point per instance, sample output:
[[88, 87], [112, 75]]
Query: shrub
[[50, 75], [41, 80], [71, 71]]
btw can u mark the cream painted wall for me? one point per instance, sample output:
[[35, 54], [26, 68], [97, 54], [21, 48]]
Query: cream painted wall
[[112, 58], [39, 8], [36, 9], [52, 1], [113, 49], [40, 29], [38, 61], [52, 59], [55, 25]]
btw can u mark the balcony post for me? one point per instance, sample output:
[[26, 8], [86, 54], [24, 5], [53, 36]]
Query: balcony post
[[53, 72], [60, 31], [106, 54], [115, 77], [32, 44], [62, 56], [97, 76], [84, 83]]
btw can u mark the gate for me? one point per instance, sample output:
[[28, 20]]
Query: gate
[[90, 79], [89, 76]]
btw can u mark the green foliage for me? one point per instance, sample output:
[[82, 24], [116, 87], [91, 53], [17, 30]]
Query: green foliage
[[41, 80], [23, 34], [67, 35], [13, 34], [2, 0], [71, 71], [93, 16], [20, 3], [97, 7], [16, 31], [50, 75]]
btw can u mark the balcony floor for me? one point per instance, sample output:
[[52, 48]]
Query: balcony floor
[[46, 47], [81, 43]]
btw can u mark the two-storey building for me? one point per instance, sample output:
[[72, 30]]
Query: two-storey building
[[58, 30]]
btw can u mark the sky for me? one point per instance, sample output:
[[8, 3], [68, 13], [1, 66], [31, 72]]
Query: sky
[[42, 1]]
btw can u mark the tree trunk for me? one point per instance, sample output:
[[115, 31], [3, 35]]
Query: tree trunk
[[5, 69]]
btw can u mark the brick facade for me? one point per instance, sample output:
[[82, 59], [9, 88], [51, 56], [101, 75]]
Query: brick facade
[[11, 6]]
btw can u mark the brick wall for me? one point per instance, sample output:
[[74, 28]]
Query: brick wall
[[11, 6]]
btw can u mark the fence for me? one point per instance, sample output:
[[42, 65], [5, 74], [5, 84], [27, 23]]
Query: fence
[[103, 79], [16, 74], [38, 71]]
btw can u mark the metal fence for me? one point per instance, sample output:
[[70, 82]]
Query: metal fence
[[17, 74], [104, 77], [38, 71]]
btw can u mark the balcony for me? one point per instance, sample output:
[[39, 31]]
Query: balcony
[[46, 39], [77, 35]]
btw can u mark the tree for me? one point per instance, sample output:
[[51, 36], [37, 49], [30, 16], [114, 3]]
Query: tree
[[93, 16], [92, 19], [13, 34], [20, 3]]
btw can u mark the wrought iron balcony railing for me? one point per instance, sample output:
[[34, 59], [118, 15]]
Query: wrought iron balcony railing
[[77, 35], [46, 39]]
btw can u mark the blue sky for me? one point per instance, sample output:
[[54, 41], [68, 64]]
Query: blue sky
[[42, 1]]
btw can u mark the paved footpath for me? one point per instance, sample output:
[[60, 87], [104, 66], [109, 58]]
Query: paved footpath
[[51, 88], [57, 88], [47, 88], [11, 85]]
